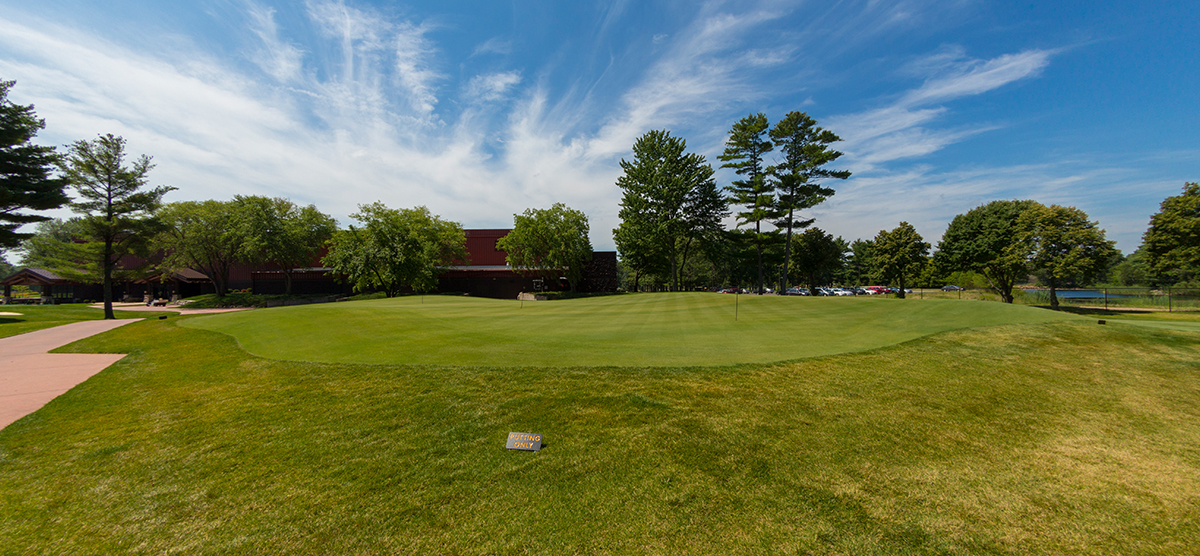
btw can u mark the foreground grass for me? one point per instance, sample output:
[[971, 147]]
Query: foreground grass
[[630, 330], [37, 317], [1052, 438]]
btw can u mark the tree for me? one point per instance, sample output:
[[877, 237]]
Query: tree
[[205, 236], [276, 230], [396, 248], [25, 180], [120, 216], [669, 200], [51, 239], [985, 240], [857, 269], [549, 242], [899, 255], [817, 255], [1172, 243], [1064, 245], [805, 149], [744, 151]]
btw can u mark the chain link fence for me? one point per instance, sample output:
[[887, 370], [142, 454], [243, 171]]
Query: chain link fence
[[1155, 299]]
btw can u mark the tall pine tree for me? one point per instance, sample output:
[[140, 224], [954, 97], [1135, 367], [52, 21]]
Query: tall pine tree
[[744, 151], [805, 149]]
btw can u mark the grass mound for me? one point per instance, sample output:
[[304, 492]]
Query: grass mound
[[672, 330], [1055, 438]]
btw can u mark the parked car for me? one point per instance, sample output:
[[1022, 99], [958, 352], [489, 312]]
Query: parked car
[[797, 291], [952, 288]]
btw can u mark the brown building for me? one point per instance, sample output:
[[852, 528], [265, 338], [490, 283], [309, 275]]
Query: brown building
[[487, 274]]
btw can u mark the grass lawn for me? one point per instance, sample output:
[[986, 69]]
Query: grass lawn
[[1059, 437], [675, 330], [37, 317]]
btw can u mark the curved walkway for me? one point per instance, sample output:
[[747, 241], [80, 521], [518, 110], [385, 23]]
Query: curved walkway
[[30, 377]]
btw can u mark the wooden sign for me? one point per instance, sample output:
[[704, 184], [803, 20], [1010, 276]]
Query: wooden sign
[[524, 441]]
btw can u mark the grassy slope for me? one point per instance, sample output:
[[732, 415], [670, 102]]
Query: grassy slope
[[634, 330], [1056, 438], [37, 317]]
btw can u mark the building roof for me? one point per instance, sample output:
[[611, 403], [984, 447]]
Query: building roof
[[34, 277]]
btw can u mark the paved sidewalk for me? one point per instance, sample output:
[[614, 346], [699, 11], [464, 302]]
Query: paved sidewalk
[[181, 309], [30, 377]]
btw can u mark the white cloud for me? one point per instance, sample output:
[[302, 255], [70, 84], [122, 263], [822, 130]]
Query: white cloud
[[494, 45], [492, 86], [276, 57], [903, 129]]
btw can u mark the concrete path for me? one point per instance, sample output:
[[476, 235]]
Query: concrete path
[[181, 309], [30, 377]]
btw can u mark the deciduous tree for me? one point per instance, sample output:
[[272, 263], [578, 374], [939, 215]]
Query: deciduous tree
[[985, 240], [1064, 245], [119, 212], [279, 231], [805, 149], [549, 242], [1172, 243], [899, 255], [396, 248], [25, 179], [669, 200], [205, 236]]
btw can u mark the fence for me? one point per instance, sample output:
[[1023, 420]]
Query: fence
[[1161, 299]]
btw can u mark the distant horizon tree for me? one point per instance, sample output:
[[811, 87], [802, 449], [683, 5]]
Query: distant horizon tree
[[898, 255]]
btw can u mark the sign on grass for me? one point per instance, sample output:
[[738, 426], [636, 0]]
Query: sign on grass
[[524, 441]]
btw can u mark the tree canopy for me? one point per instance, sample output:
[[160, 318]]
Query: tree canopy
[[119, 211], [899, 255], [669, 200], [1064, 245], [818, 255], [205, 236], [1172, 242], [25, 179], [805, 149], [549, 242], [985, 240], [276, 230], [393, 249]]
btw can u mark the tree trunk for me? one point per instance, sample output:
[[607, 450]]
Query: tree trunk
[[108, 268], [900, 292], [1053, 295], [287, 281], [787, 256], [758, 247]]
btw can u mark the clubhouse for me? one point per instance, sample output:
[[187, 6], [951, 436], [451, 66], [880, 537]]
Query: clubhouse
[[487, 275]]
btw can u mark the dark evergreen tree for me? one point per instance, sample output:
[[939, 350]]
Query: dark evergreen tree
[[25, 180], [805, 150], [744, 151]]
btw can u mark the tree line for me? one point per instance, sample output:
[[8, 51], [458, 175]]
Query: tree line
[[670, 235]]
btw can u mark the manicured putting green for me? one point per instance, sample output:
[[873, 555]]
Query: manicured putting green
[[674, 330]]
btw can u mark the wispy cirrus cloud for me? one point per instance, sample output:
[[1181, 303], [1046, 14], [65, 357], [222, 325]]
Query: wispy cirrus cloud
[[492, 86], [277, 57], [905, 127]]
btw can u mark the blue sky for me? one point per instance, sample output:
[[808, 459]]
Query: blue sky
[[479, 110]]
